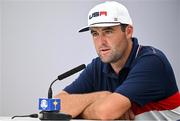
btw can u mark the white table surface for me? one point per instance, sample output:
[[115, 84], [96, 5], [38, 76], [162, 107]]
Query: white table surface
[[3, 118]]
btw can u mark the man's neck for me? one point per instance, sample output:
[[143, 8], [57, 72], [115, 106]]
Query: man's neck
[[117, 66]]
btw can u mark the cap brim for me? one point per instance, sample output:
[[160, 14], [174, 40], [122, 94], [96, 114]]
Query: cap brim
[[84, 29], [99, 25]]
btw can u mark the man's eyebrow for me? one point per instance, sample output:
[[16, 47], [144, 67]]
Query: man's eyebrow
[[107, 28], [92, 31]]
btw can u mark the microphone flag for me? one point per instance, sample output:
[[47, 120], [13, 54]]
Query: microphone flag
[[49, 104]]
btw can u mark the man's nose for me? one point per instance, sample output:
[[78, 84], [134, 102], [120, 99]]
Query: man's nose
[[102, 39]]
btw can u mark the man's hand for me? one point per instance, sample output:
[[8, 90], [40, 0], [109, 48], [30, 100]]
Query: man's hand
[[129, 115]]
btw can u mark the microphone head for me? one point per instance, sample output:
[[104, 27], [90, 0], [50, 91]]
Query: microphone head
[[72, 71]]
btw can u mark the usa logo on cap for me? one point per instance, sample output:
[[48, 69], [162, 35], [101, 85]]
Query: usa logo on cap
[[96, 14]]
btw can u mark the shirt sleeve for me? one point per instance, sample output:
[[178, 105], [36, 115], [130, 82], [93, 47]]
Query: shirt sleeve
[[146, 82], [83, 84]]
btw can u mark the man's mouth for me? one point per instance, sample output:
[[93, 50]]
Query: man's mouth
[[104, 51]]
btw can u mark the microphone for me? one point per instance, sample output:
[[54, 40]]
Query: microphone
[[51, 107], [65, 75]]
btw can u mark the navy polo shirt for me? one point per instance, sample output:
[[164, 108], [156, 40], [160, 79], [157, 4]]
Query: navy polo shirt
[[146, 77]]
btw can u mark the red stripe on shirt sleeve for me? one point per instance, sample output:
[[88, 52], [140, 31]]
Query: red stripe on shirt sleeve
[[169, 103]]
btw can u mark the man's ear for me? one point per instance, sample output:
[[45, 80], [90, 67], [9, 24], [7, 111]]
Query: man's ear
[[129, 31]]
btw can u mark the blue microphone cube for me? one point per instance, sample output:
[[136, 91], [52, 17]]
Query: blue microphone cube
[[46, 104]]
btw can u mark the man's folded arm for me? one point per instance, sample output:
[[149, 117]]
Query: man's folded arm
[[113, 106], [74, 104]]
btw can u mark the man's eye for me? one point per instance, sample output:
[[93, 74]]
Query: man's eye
[[94, 34], [108, 32]]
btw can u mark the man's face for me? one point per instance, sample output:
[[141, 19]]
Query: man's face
[[110, 43]]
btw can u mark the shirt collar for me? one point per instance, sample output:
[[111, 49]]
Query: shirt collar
[[107, 67], [132, 54]]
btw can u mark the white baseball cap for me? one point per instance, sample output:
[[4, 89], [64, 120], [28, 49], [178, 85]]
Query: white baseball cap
[[109, 13]]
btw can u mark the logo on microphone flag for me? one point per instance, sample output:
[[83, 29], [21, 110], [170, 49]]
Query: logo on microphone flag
[[49, 104]]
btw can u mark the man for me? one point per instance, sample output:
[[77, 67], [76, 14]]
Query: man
[[127, 79]]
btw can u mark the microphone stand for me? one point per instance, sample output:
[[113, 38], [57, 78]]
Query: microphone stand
[[56, 115], [53, 115]]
